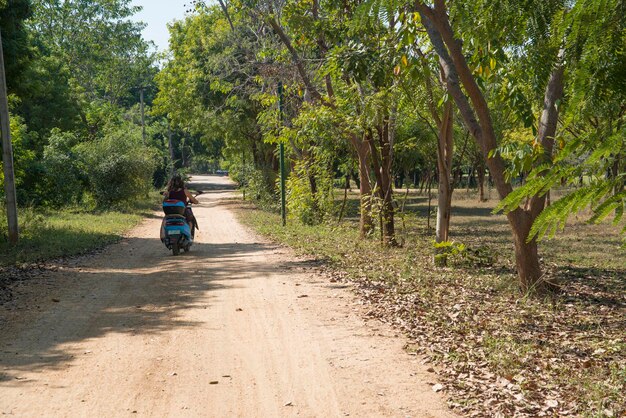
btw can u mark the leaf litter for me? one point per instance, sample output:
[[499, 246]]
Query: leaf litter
[[497, 352]]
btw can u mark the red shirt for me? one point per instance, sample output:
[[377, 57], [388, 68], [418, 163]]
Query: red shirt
[[178, 195]]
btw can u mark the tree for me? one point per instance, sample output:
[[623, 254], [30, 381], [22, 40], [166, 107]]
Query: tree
[[373, 134], [212, 86], [14, 52], [61, 78], [16, 44], [510, 69], [75, 30], [590, 153], [477, 116]]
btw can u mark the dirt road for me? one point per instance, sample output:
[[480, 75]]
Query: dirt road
[[235, 328]]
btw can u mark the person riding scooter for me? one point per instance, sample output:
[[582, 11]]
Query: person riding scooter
[[176, 190]]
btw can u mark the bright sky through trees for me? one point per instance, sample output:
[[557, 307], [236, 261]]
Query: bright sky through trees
[[157, 14]]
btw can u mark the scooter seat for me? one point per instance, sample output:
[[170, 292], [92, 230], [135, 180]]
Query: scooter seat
[[175, 217]]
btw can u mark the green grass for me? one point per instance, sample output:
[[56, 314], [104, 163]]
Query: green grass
[[327, 242], [48, 234]]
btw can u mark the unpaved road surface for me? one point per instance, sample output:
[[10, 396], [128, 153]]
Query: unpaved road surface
[[236, 328]]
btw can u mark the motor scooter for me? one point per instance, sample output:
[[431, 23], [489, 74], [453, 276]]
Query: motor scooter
[[176, 232]]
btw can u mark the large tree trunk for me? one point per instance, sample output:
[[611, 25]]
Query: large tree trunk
[[445, 146], [445, 180], [386, 145], [526, 254], [477, 117], [382, 166], [444, 166]]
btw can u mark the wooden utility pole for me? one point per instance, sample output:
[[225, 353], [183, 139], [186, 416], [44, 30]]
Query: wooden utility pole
[[143, 117], [7, 155]]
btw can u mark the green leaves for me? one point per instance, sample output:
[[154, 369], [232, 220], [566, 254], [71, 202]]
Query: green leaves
[[601, 196], [555, 216], [80, 51], [612, 204]]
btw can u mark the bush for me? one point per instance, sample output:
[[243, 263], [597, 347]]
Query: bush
[[302, 204], [259, 185], [30, 223], [63, 183], [118, 167], [24, 160], [462, 255]]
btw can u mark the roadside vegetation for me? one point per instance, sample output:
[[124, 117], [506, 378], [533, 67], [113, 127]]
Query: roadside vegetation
[[521, 103], [88, 147], [524, 96], [48, 234]]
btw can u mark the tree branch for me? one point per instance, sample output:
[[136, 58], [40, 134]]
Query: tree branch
[[453, 62], [295, 57], [225, 10]]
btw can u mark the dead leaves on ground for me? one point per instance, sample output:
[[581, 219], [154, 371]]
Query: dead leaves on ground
[[500, 354]]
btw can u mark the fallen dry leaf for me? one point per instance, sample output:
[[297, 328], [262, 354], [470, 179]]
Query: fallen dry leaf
[[437, 387]]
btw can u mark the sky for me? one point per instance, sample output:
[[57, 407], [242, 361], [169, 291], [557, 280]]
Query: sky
[[157, 14]]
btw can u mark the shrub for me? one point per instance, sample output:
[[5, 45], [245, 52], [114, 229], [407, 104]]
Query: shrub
[[24, 159], [259, 185], [30, 223], [62, 183], [462, 255], [118, 167], [302, 203]]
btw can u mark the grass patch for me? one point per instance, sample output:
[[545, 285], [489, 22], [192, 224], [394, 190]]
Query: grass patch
[[47, 234], [328, 242], [500, 351]]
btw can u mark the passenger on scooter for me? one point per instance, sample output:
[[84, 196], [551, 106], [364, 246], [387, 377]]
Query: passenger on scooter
[[176, 190]]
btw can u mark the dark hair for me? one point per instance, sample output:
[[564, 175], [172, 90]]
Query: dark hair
[[175, 183]]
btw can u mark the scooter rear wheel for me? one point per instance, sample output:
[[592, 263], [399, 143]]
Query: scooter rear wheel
[[175, 249]]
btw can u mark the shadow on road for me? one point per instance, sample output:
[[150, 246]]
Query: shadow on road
[[143, 292]]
